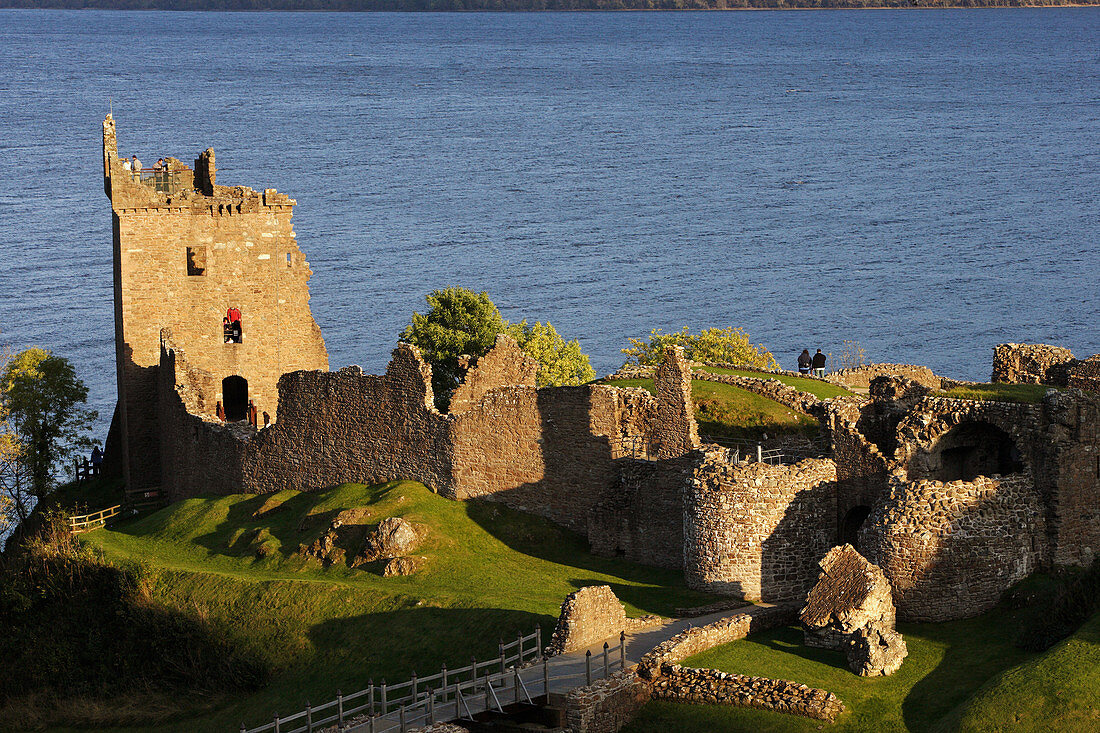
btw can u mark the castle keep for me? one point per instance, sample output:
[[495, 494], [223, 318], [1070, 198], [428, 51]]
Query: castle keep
[[955, 499], [186, 250]]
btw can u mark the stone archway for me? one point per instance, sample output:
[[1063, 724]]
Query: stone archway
[[851, 524], [970, 449]]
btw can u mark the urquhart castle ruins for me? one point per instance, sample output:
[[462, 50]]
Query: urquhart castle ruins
[[955, 499]]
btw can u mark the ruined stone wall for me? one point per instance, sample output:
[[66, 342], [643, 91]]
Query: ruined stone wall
[[1030, 364], [505, 365], [950, 550], [861, 466], [712, 687], [1067, 475], [696, 639], [606, 705], [335, 427], [588, 616], [642, 517], [674, 430], [551, 451], [860, 377], [757, 530], [1085, 374]]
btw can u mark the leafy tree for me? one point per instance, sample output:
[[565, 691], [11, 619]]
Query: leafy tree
[[462, 322], [43, 400], [561, 362], [726, 345], [459, 322]]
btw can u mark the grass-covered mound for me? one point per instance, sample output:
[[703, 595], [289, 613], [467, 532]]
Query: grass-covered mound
[[818, 388], [726, 411], [489, 571], [84, 642], [1056, 691]]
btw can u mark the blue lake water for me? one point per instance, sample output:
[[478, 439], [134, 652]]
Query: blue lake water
[[922, 182]]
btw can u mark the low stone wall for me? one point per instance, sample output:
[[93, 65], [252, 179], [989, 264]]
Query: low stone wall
[[1031, 364], [607, 705], [755, 530], [861, 376], [711, 687], [950, 550], [700, 638]]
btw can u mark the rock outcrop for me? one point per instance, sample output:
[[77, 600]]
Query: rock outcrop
[[395, 537]]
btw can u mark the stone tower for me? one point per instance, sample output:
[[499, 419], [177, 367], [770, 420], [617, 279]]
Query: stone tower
[[185, 251]]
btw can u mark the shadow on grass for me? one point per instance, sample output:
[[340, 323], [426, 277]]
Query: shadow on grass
[[789, 640]]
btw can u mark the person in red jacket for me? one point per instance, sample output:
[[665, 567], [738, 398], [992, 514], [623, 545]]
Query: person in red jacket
[[233, 315]]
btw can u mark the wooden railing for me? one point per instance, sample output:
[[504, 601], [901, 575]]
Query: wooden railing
[[456, 694], [95, 520]]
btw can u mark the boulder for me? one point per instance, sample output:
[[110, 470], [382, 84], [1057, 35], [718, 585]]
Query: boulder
[[402, 566], [394, 537]]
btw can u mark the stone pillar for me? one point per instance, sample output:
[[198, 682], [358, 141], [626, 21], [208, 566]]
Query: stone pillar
[[674, 431]]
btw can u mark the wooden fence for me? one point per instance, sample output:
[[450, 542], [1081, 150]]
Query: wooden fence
[[95, 520], [456, 694]]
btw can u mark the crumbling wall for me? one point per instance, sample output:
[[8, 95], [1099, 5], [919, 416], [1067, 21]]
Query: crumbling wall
[[757, 530], [1031, 364], [505, 365], [674, 431], [1085, 374], [588, 616], [712, 687], [860, 377], [950, 550], [1067, 475], [606, 705], [641, 517]]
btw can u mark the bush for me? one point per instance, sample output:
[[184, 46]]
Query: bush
[[721, 345]]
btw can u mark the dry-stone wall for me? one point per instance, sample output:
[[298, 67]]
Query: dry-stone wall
[[1031, 364], [755, 530], [606, 705], [860, 377], [711, 687], [950, 550], [698, 639]]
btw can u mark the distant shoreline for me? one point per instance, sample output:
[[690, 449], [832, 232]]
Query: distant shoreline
[[520, 6]]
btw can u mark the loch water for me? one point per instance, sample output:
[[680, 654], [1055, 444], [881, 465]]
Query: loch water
[[922, 182]]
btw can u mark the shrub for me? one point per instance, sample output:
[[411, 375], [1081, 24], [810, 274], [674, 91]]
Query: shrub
[[722, 345]]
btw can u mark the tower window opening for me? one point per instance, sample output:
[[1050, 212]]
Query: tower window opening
[[196, 261], [289, 259]]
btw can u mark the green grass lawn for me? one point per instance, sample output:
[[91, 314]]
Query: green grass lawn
[[1056, 691], [1000, 392], [728, 411], [490, 572], [947, 663], [816, 387]]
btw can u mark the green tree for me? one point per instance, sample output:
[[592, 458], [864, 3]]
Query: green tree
[[458, 322], [43, 400], [725, 345], [561, 362], [462, 322]]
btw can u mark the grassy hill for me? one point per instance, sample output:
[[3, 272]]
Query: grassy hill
[[234, 563], [727, 411]]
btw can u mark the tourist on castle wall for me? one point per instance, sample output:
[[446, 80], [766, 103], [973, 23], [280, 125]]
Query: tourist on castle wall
[[135, 164], [804, 362], [819, 364]]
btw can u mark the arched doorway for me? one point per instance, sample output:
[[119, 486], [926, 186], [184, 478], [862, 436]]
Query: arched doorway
[[853, 520], [973, 449], [235, 398]]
